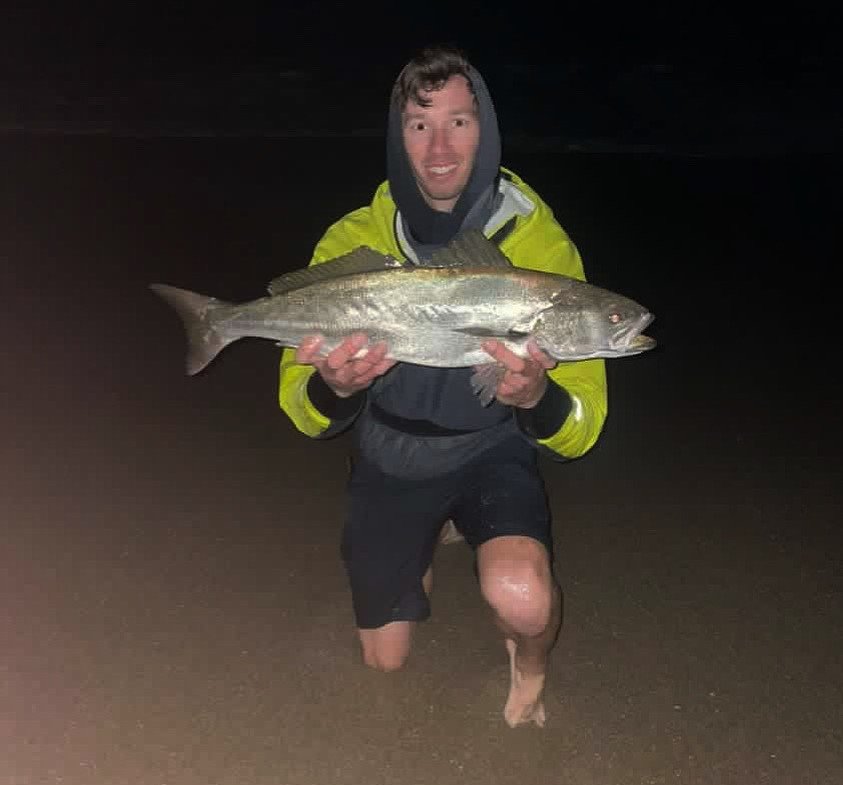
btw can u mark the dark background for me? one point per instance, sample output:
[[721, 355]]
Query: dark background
[[172, 605], [687, 81]]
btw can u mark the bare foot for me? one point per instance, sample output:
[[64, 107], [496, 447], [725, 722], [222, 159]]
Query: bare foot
[[524, 704]]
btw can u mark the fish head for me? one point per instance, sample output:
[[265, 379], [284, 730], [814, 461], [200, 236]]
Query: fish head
[[593, 322]]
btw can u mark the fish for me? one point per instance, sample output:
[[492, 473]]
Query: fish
[[435, 315]]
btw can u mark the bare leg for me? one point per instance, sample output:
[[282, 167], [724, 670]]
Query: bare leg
[[387, 648], [516, 580], [427, 581], [527, 666]]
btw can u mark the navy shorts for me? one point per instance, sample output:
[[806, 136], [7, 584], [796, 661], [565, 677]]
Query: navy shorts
[[393, 525]]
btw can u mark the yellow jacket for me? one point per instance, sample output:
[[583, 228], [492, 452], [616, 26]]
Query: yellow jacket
[[536, 241]]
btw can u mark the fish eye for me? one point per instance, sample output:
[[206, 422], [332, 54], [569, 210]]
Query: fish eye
[[615, 317]]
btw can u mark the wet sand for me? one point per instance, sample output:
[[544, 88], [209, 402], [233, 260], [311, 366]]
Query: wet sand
[[173, 605]]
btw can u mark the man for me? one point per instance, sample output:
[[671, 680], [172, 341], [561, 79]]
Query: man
[[425, 449]]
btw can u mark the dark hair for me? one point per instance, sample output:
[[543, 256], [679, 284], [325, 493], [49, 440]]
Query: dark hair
[[428, 71]]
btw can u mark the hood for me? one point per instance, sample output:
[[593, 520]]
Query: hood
[[430, 229]]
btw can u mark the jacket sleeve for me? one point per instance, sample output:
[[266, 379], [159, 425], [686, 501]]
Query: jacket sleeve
[[294, 379], [544, 245]]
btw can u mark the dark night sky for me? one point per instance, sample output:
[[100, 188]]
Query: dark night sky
[[687, 78], [126, 38]]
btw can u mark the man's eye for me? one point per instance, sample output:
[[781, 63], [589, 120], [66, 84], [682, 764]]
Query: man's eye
[[460, 122]]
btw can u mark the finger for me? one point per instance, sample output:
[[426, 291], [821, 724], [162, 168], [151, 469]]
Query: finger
[[365, 371], [382, 367], [375, 354], [346, 351], [504, 356], [354, 342], [539, 356], [308, 349], [362, 367]]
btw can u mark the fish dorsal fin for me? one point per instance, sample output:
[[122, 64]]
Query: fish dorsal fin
[[360, 260], [470, 249]]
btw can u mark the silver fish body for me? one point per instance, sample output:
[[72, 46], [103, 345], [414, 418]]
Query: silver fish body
[[437, 315]]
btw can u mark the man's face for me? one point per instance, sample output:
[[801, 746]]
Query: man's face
[[441, 141]]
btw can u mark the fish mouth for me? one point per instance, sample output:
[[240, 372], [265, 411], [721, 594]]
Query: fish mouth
[[631, 340], [641, 343]]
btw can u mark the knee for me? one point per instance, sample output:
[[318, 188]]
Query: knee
[[384, 661], [387, 648], [521, 593]]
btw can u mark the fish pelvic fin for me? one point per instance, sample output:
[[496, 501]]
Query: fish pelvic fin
[[203, 341], [485, 380]]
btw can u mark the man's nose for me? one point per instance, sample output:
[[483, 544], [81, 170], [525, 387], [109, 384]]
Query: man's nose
[[440, 139]]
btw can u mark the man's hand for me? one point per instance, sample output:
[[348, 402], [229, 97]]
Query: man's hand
[[525, 379], [342, 371]]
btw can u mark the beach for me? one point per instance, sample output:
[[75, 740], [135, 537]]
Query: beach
[[174, 605]]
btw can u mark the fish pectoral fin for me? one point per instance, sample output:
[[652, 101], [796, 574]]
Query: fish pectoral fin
[[487, 332], [480, 332], [485, 381]]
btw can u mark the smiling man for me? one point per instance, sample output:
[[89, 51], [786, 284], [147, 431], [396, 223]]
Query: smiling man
[[441, 132], [425, 449]]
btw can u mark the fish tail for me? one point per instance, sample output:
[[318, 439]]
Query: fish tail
[[203, 341]]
